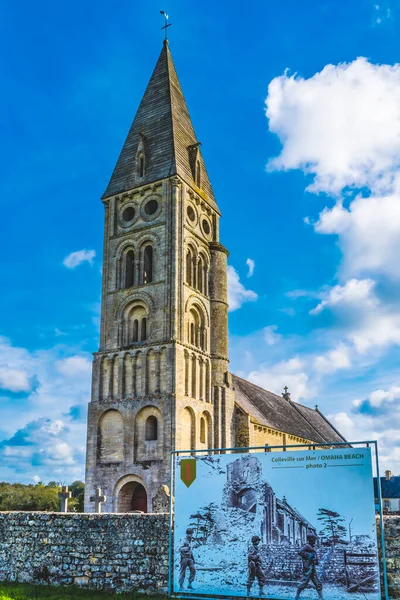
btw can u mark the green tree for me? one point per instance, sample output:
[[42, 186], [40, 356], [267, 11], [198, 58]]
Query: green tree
[[331, 525], [17, 496], [78, 491]]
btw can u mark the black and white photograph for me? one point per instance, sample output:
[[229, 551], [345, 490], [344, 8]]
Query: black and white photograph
[[276, 524]]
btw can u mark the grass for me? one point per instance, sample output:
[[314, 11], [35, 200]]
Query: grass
[[21, 591]]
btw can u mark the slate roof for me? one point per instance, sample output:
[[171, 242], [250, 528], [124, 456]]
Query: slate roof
[[390, 488], [276, 412], [164, 122]]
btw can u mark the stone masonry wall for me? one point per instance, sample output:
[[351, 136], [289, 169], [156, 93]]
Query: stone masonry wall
[[107, 551], [392, 546]]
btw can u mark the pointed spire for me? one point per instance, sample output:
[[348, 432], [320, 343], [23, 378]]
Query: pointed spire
[[161, 134]]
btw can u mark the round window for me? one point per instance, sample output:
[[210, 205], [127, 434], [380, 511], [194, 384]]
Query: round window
[[151, 207], [191, 214], [206, 227], [128, 213]]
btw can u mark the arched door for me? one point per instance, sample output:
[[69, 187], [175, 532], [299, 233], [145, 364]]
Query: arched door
[[132, 496], [139, 499]]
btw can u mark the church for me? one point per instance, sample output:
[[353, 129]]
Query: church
[[161, 377]]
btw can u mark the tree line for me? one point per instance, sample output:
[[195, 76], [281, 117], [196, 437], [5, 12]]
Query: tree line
[[18, 496]]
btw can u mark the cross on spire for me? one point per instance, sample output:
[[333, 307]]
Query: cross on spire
[[64, 496], [166, 24], [98, 499]]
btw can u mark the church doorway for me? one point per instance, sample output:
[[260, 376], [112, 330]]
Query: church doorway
[[132, 497]]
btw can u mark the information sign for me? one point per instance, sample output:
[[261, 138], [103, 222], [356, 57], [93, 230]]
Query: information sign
[[276, 524]]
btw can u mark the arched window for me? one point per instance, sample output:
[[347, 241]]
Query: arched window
[[200, 275], [189, 260], [135, 335], [196, 331], [151, 431], [134, 327], [205, 278], [198, 174], [202, 430], [141, 164], [143, 330], [188, 429], [148, 264], [194, 376], [111, 437], [129, 269]]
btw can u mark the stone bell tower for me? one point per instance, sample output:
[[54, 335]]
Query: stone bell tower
[[160, 377]]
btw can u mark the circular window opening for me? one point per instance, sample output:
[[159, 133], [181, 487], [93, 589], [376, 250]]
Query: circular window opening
[[128, 213], [151, 207], [206, 227], [191, 214]]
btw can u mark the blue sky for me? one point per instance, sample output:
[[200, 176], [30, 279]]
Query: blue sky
[[298, 109]]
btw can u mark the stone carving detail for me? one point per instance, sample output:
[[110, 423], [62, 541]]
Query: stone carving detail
[[162, 499]]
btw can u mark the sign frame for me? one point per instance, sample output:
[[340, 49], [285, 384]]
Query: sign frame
[[373, 444]]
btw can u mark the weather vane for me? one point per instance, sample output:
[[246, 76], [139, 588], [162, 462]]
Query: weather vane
[[166, 24]]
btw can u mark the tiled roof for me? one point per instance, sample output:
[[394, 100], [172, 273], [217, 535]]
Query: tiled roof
[[390, 487], [284, 415], [164, 123]]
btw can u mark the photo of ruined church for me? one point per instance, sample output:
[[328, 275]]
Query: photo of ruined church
[[239, 504], [245, 490], [161, 378]]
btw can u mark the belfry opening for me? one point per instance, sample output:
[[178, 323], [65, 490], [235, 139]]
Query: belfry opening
[[132, 498]]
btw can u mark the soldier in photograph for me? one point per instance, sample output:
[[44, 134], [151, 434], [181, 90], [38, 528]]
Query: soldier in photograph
[[187, 560], [255, 566], [309, 557]]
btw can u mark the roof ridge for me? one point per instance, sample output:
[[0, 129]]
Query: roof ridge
[[169, 59], [295, 406], [330, 424], [257, 386]]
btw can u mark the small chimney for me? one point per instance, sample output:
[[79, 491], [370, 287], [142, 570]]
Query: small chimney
[[286, 393], [388, 474]]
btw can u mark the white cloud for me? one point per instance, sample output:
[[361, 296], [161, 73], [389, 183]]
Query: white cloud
[[251, 265], [353, 293], [341, 125], [379, 397], [271, 336], [74, 366], [289, 373], [43, 443], [364, 320], [46, 430], [344, 424], [367, 322], [15, 380], [333, 360], [58, 332], [77, 258], [368, 233], [237, 293], [377, 417], [15, 367], [382, 13]]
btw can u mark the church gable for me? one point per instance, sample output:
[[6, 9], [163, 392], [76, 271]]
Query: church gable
[[282, 415]]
